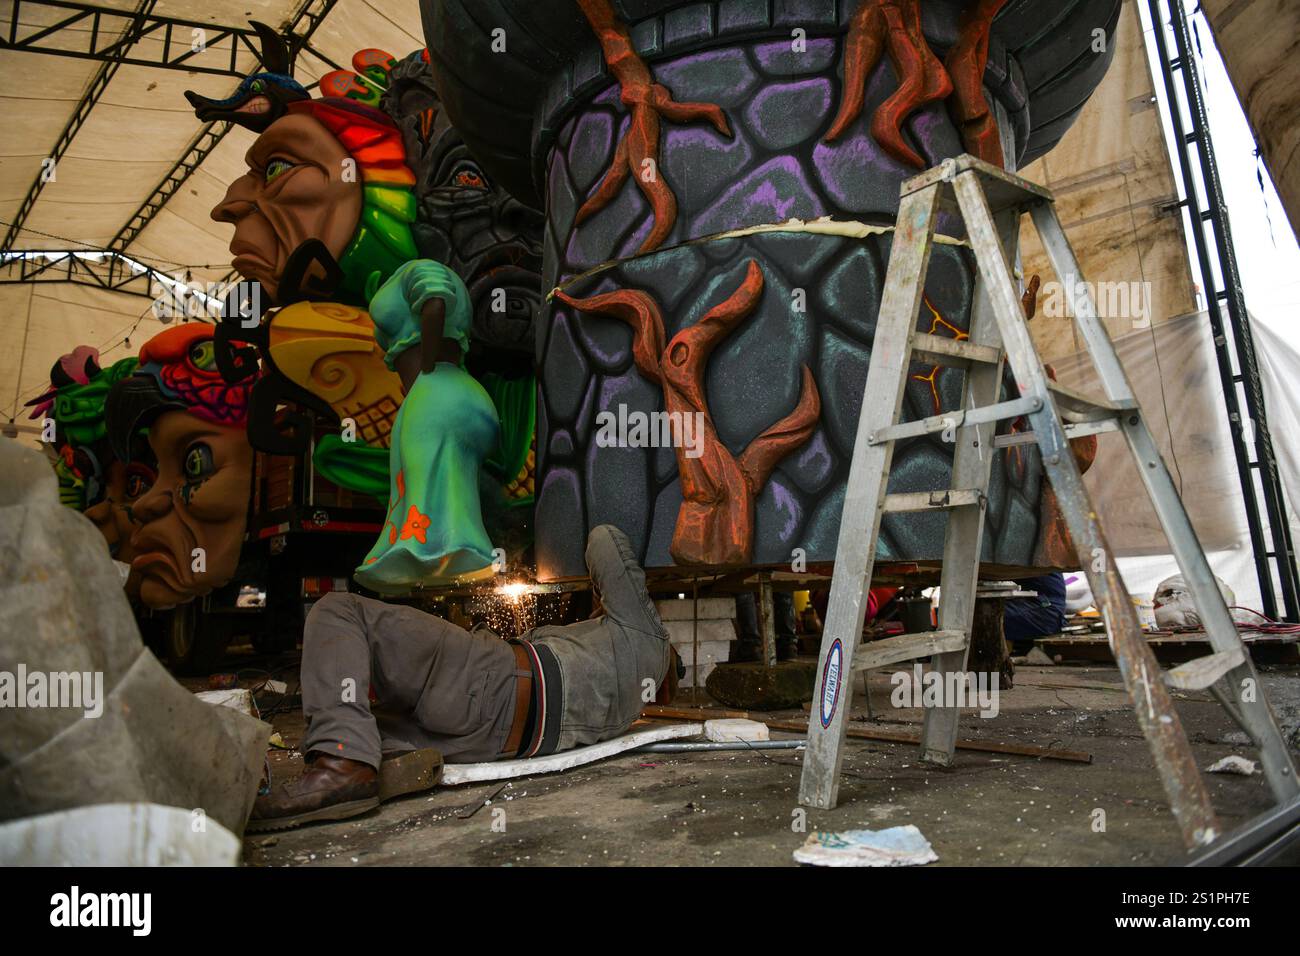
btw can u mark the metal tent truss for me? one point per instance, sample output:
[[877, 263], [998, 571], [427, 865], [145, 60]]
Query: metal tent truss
[[113, 40], [98, 84], [88, 31], [112, 272]]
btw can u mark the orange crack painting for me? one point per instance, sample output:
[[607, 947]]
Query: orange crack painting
[[936, 322]]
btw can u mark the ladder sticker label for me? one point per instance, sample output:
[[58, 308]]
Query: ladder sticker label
[[831, 682]]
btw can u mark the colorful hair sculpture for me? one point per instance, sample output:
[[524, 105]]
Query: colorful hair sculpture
[[75, 403], [383, 239], [183, 362]]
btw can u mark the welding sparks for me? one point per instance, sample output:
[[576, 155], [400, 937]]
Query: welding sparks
[[514, 592], [511, 608]]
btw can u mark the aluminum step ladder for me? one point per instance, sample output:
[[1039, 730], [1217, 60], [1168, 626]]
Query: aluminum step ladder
[[991, 202]]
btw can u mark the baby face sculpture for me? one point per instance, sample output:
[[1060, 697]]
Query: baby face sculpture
[[190, 522]]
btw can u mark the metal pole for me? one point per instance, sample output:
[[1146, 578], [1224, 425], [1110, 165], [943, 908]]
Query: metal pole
[[1280, 549], [692, 746]]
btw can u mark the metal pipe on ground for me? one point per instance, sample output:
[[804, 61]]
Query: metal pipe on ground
[[705, 745]]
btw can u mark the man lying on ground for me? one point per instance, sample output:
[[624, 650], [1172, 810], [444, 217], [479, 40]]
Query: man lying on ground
[[472, 697]]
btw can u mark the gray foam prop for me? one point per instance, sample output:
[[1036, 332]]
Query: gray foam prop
[[62, 609]]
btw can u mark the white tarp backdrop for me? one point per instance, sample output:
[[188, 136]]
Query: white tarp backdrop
[[1185, 411]]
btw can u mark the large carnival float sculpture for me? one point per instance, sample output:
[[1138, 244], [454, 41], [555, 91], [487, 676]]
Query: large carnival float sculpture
[[189, 522], [721, 179], [361, 214]]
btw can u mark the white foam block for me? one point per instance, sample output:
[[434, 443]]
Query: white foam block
[[685, 633], [706, 609], [504, 769], [735, 728]]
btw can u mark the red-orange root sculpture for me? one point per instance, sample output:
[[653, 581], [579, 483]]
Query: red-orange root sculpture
[[715, 525], [895, 26], [637, 154], [965, 64]]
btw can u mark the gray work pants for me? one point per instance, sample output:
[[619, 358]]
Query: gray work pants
[[437, 685]]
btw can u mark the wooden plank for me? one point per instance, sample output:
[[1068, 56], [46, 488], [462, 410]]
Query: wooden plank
[[657, 712], [963, 743], [907, 501], [907, 647], [664, 712]]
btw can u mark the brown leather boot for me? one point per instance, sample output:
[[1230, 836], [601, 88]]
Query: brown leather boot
[[331, 788]]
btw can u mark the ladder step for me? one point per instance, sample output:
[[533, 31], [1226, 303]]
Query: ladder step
[[956, 419], [1204, 671], [951, 353], [1003, 190], [1077, 407], [944, 500], [906, 647], [1072, 430]]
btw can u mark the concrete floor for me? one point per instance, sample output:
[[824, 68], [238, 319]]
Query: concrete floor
[[738, 809]]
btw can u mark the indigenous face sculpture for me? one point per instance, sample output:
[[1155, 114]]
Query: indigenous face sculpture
[[301, 184], [191, 521]]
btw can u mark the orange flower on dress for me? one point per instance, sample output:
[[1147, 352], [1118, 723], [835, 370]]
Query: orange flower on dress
[[416, 525]]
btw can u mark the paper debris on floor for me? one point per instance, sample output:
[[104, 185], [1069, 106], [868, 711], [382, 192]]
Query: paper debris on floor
[[896, 846], [1233, 764], [1038, 657], [235, 698]]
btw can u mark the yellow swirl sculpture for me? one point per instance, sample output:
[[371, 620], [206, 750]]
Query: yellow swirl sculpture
[[329, 349]]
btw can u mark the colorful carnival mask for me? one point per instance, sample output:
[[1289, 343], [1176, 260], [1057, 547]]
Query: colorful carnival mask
[[192, 519], [91, 477]]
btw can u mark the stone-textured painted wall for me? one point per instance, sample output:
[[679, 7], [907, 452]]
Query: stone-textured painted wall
[[770, 165]]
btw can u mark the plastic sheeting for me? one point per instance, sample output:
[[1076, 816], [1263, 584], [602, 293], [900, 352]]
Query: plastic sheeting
[[1173, 371], [1113, 182]]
